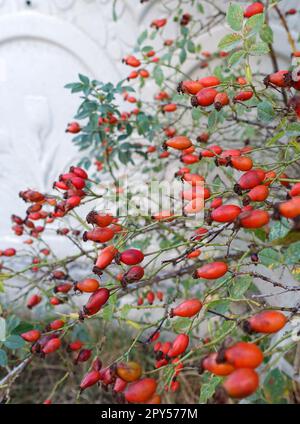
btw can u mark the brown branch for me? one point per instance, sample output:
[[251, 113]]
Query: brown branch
[[169, 275], [286, 27], [6, 382], [269, 280]]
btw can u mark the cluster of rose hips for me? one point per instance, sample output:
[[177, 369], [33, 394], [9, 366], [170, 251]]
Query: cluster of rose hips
[[254, 185], [123, 377], [236, 362], [150, 297]]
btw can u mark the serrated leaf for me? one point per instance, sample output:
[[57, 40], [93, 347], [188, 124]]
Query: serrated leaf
[[14, 342], [213, 120], [269, 257], [182, 56], [229, 42], [235, 16], [11, 323], [191, 46], [181, 324], [23, 327], [142, 37], [291, 237], [108, 312], [292, 254], [158, 75], [240, 286], [196, 114], [254, 24], [219, 305], [259, 48], [3, 358], [266, 34], [84, 79], [274, 386], [265, 111], [208, 389], [260, 233], [225, 327], [293, 129], [279, 229], [235, 58]]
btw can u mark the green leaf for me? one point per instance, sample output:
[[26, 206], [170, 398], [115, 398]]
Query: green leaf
[[158, 75], [265, 111], [240, 286], [292, 254], [11, 323], [259, 49], [293, 129], [23, 327], [269, 257], [274, 386], [3, 358], [279, 229], [125, 310], [225, 327], [191, 46], [14, 342], [213, 120], [107, 313], [75, 87], [236, 57], [147, 49], [181, 324], [208, 389], [182, 55], [125, 157], [235, 17], [184, 31], [260, 233], [254, 24], [2, 329], [266, 34], [229, 42], [84, 79], [219, 305], [196, 114], [291, 237], [200, 8], [142, 37]]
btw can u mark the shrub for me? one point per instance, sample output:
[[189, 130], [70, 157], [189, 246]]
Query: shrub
[[180, 279]]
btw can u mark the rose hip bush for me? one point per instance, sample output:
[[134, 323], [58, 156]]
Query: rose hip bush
[[185, 293]]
